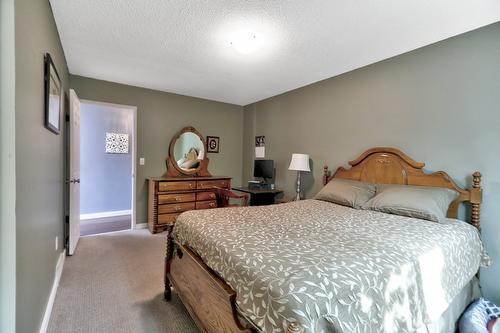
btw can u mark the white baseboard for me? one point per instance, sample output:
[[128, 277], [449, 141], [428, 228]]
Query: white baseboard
[[141, 226], [52, 296], [105, 214]]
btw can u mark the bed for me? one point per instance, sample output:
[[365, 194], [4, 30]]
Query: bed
[[315, 266]]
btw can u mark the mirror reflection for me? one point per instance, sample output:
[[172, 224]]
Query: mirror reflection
[[189, 151]]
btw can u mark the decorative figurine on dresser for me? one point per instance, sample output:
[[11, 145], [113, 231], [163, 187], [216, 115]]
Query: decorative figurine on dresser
[[186, 185]]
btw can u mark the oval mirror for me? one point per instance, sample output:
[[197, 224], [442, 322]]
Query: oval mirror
[[187, 151]]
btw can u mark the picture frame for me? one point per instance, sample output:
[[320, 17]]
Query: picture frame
[[260, 141], [53, 96], [117, 143], [213, 144]]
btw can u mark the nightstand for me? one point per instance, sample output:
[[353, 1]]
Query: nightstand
[[259, 197]]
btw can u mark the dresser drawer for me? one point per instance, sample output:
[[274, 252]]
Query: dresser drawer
[[176, 197], [207, 184], [175, 208], [176, 186], [167, 218], [201, 196], [206, 204]]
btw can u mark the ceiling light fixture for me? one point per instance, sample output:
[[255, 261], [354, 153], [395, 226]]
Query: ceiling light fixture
[[245, 42]]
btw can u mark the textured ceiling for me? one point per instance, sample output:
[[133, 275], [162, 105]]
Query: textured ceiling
[[184, 46]]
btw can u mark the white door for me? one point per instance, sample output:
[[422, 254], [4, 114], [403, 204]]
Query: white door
[[74, 171]]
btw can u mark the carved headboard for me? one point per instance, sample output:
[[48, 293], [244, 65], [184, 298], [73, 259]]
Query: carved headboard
[[383, 165]]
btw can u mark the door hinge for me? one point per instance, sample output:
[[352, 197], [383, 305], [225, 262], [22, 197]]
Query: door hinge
[[66, 117]]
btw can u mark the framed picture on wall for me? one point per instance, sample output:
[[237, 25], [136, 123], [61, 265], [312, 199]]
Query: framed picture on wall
[[260, 141], [213, 144], [53, 96]]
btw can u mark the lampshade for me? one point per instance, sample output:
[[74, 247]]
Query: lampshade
[[300, 162]]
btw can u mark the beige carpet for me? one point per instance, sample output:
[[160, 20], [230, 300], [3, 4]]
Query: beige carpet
[[114, 283]]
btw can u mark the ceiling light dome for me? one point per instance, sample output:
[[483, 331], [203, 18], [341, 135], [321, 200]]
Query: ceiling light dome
[[245, 42]]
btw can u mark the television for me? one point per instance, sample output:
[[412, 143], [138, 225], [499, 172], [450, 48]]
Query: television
[[263, 169]]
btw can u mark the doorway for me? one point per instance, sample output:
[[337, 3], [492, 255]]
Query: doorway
[[107, 168]]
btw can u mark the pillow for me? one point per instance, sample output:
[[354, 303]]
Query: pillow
[[347, 192], [189, 164], [478, 316], [421, 202]]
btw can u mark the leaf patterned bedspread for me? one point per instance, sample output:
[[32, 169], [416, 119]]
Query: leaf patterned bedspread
[[332, 268]]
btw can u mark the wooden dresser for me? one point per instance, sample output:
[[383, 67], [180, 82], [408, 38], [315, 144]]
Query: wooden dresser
[[168, 197]]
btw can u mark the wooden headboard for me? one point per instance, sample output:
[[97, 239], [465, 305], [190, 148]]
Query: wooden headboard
[[383, 165]]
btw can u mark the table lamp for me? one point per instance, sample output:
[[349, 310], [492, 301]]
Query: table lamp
[[300, 162]]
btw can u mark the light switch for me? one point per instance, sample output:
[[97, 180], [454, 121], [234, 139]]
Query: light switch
[[142, 161]]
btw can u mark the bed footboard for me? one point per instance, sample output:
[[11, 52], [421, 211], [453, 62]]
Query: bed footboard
[[209, 301]]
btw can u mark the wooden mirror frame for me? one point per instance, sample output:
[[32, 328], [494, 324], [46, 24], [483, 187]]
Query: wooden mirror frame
[[173, 170]]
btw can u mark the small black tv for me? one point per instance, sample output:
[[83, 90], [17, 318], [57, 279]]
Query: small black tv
[[263, 169]]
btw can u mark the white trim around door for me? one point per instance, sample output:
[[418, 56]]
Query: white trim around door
[[101, 215]]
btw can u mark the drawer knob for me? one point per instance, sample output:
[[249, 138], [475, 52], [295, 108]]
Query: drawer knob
[[211, 195], [178, 208], [191, 185], [212, 204], [177, 198]]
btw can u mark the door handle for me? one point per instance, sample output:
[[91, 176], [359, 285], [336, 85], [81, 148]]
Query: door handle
[[73, 181]]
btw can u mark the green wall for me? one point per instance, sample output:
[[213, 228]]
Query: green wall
[[249, 134], [159, 116], [7, 168], [440, 104], [39, 163]]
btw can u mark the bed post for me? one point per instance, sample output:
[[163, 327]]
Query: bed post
[[325, 174], [475, 200], [169, 251]]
